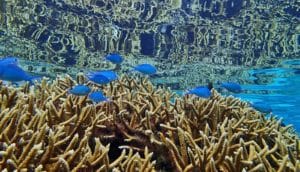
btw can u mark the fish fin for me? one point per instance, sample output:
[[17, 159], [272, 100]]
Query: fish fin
[[117, 67], [210, 85]]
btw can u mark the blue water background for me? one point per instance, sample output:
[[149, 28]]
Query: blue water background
[[282, 94], [281, 90]]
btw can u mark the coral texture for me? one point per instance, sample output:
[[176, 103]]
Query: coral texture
[[141, 128]]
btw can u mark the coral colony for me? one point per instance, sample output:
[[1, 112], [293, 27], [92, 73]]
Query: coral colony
[[128, 124]]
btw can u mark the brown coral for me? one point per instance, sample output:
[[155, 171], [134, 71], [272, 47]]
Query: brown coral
[[43, 128]]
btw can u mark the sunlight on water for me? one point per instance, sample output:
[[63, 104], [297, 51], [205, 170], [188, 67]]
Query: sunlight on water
[[284, 91], [282, 94]]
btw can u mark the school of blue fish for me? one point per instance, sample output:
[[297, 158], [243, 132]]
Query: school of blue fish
[[12, 72]]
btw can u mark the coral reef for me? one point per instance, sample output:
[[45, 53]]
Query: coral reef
[[141, 128]]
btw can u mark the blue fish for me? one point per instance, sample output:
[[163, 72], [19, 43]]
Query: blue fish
[[262, 107], [80, 90], [8, 60], [109, 74], [115, 58], [232, 87], [147, 69], [201, 91], [97, 97], [14, 73], [98, 78]]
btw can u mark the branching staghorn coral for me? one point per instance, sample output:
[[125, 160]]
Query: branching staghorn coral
[[141, 128]]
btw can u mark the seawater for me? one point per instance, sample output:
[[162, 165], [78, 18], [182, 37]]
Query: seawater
[[277, 87], [282, 93]]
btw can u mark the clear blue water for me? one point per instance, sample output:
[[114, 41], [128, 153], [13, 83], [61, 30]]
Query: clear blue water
[[281, 92]]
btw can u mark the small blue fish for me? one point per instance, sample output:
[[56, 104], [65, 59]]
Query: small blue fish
[[201, 91], [147, 69], [80, 90], [262, 107], [97, 97], [8, 60], [98, 78], [115, 58], [14, 73], [232, 87], [109, 74]]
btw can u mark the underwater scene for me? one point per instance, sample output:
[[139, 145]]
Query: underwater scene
[[150, 85]]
